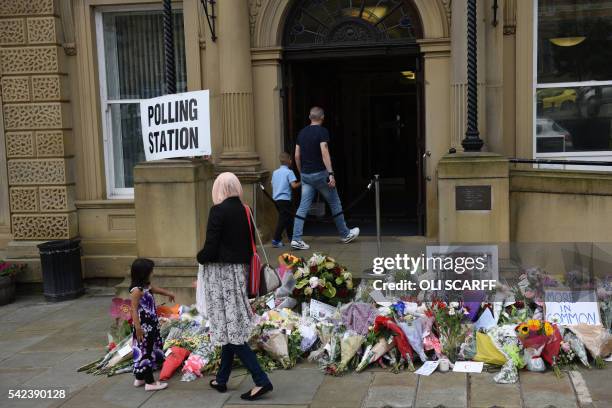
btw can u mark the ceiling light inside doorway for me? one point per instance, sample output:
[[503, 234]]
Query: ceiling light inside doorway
[[567, 41], [409, 74]]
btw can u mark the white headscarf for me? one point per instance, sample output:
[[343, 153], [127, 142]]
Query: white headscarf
[[226, 185]]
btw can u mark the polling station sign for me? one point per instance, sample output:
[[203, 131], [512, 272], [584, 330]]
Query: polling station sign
[[176, 125]]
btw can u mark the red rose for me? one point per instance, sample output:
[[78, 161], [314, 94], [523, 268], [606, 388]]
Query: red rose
[[313, 269], [342, 292], [337, 271], [296, 292], [519, 304]]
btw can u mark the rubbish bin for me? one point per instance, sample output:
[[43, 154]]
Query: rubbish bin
[[61, 269]]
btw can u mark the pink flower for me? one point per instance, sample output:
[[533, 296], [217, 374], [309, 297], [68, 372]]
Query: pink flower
[[565, 346], [529, 294], [121, 309]]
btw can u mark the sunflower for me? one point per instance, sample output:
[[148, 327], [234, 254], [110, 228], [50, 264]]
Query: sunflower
[[522, 329], [534, 325], [548, 329]]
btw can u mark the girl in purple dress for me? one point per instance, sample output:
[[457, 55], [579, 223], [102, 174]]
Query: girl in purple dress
[[147, 346]]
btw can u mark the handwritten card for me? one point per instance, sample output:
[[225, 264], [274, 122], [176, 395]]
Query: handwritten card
[[320, 310], [428, 367], [568, 308], [485, 321], [379, 298], [468, 367]]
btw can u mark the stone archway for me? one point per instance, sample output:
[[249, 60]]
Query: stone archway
[[267, 20]]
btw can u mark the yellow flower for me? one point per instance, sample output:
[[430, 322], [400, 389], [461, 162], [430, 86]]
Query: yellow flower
[[534, 325], [522, 329], [548, 329]]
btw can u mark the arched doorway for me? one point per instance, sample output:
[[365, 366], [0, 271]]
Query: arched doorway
[[360, 61]]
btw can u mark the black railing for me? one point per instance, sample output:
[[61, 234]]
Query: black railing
[[558, 161]]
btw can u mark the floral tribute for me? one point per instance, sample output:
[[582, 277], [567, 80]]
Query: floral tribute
[[321, 278], [395, 334], [449, 322], [10, 269], [542, 341]]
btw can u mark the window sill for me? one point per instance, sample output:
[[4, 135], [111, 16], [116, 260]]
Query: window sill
[[105, 204]]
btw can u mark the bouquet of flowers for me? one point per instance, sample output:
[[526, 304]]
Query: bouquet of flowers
[[535, 335], [349, 346], [448, 319], [287, 263], [323, 279], [121, 311], [10, 269], [374, 352]]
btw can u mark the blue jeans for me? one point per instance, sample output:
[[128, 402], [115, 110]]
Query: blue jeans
[[248, 359], [311, 183]]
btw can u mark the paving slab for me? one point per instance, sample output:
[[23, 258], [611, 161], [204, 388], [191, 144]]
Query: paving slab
[[485, 392], [10, 377], [64, 373], [392, 390], [598, 384], [390, 396], [13, 342], [113, 392], [34, 359], [296, 386], [445, 389], [348, 391], [264, 406], [186, 398], [545, 389], [405, 379]]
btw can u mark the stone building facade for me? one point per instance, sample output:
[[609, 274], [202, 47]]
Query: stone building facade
[[64, 97]]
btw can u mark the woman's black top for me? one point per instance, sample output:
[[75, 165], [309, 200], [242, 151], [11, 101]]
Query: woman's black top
[[227, 234]]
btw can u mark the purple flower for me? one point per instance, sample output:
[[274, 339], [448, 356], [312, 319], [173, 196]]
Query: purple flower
[[137, 355]]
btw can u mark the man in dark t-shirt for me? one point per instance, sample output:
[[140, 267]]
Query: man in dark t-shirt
[[314, 163]]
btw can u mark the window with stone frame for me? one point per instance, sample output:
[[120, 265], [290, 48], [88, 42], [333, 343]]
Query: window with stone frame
[[131, 67], [573, 86]]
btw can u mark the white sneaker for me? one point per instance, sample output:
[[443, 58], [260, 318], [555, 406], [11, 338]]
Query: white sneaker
[[138, 383], [156, 386], [299, 245], [353, 233]]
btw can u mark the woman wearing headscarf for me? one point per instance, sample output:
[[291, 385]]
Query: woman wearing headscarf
[[228, 252]]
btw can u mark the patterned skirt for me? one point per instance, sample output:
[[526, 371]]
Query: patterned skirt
[[227, 304]]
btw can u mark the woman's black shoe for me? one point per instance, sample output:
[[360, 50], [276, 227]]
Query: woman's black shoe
[[263, 390], [218, 387]]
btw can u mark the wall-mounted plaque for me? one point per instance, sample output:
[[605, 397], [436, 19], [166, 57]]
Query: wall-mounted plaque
[[472, 198]]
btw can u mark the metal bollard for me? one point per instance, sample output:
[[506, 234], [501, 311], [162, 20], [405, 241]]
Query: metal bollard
[[376, 181], [377, 194]]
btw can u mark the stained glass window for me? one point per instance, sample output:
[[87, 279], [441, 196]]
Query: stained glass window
[[329, 22]]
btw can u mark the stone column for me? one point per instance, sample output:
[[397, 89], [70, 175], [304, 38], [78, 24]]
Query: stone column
[[37, 125], [172, 199], [494, 95], [236, 88]]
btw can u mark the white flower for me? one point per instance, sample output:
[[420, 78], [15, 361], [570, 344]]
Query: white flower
[[298, 274], [451, 311], [316, 260], [308, 291], [304, 271], [454, 305], [347, 276], [314, 282]]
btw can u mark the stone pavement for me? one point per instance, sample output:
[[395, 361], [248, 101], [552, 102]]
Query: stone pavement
[[42, 344]]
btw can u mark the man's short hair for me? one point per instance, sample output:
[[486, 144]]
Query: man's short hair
[[285, 158], [316, 113]]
